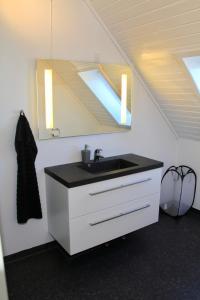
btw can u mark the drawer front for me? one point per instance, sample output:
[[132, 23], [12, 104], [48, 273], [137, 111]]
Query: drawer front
[[97, 196], [97, 228]]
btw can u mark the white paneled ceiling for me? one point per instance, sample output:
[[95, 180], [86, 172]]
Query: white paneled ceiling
[[156, 34]]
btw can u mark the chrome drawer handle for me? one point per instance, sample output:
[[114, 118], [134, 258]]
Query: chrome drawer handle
[[119, 215], [120, 186]]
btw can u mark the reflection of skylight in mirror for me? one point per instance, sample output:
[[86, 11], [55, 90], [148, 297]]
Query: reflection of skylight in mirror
[[193, 66], [105, 94]]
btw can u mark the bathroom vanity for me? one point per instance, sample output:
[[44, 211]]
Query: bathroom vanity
[[90, 204]]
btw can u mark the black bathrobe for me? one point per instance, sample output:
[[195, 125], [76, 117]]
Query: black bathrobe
[[28, 199]]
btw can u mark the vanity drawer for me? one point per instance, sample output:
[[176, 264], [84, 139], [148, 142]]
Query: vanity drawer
[[100, 195], [97, 228]]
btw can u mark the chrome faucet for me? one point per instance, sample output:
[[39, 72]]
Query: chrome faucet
[[97, 154]]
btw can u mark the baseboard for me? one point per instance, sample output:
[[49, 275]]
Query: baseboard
[[30, 252]]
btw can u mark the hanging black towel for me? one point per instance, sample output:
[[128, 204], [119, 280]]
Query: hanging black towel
[[28, 199]]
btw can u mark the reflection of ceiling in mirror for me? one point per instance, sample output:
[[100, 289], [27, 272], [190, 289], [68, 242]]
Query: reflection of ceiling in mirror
[[112, 72], [104, 92], [69, 74]]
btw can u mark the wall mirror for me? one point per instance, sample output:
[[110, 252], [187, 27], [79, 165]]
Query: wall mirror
[[82, 98]]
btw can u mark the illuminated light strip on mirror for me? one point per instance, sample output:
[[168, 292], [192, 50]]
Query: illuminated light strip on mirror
[[48, 85], [123, 98]]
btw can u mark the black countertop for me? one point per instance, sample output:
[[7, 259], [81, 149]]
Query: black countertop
[[71, 175]]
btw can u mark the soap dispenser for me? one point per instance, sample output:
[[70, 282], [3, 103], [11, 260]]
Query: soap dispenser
[[85, 154]]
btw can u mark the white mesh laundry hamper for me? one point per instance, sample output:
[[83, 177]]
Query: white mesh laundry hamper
[[178, 190]]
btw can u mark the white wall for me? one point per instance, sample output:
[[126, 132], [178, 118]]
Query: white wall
[[24, 35], [189, 155]]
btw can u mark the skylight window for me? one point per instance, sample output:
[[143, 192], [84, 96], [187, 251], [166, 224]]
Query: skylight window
[[106, 95], [193, 65]]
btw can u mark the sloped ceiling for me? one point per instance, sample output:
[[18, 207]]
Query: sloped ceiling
[[156, 34]]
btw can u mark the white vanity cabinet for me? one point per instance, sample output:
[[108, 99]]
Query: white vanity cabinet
[[88, 215]]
